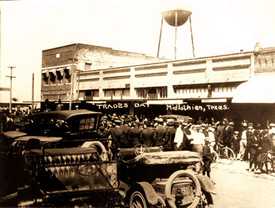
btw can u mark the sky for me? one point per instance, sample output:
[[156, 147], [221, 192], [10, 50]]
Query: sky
[[30, 26]]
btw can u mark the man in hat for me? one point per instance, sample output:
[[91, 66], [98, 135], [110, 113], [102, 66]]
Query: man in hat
[[236, 143], [197, 139], [252, 145], [116, 134], [147, 134], [272, 136], [125, 133], [228, 134], [182, 140], [159, 132], [170, 135], [179, 135], [220, 132], [134, 134], [243, 141], [207, 158]]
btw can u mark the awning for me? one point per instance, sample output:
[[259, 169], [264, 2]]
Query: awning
[[214, 100], [164, 102], [258, 89]]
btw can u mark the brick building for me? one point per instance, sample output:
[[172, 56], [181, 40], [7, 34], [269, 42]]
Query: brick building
[[61, 66]]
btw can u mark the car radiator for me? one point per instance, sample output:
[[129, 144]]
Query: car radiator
[[74, 169]]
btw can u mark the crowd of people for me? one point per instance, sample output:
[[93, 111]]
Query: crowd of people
[[249, 143], [10, 120]]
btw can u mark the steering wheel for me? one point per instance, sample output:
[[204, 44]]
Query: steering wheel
[[140, 148], [172, 180]]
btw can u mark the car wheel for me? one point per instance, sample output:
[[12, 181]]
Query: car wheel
[[215, 156], [137, 200], [195, 186], [228, 153]]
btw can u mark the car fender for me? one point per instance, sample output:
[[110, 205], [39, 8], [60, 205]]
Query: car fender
[[152, 197], [206, 184]]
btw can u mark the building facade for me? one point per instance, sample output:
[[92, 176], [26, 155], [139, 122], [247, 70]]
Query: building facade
[[201, 78], [61, 67], [204, 85]]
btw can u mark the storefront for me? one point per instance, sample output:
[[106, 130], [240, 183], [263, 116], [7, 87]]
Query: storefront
[[254, 100], [197, 109]]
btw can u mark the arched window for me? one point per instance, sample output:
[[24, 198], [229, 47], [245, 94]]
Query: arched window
[[67, 73], [45, 77], [59, 74], [52, 76]]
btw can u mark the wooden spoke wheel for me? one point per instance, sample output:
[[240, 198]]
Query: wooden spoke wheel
[[138, 200]]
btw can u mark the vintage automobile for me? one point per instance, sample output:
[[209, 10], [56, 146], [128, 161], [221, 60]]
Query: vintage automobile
[[177, 118], [57, 160], [150, 177]]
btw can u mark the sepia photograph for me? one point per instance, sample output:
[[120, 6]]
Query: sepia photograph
[[137, 103]]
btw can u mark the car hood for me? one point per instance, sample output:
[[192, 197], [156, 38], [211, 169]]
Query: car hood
[[165, 158], [14, 134], [40, 138], [22, 136]]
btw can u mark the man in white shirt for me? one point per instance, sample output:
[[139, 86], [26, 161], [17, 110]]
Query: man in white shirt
[[243, 142], [178, 136], [197, 139]]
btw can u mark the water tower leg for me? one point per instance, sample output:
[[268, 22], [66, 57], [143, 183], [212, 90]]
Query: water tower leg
[[160, 33], [192, 38], [176, 31]]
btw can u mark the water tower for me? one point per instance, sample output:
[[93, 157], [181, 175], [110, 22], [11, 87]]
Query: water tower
[[176, 18]]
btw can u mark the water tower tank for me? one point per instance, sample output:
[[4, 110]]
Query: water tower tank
[[176, 17]]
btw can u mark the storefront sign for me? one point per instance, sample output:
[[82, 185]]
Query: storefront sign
[[120, 105], [141, 105], [176, 107], [112, 106], [198, 107]]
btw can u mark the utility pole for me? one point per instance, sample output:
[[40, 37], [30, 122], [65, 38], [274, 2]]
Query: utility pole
[[11, 77], [0, 42], [32, 91], [72, 89]]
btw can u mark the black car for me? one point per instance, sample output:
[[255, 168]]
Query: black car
[[56, 159]]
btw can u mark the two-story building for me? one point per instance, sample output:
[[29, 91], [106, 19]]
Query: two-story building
[[214, 86], [61, 67]]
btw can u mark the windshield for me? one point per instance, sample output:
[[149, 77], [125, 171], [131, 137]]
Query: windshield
[[45, 126], [55, 126]]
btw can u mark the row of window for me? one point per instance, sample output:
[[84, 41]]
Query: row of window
[[266, 61], [55, 77], [204, 90], [151, 93], [154, 93], [116, 92]]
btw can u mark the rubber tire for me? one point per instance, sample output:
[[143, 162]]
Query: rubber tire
[[140, 196], [231, 152], [215, 156], [192, 176]]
